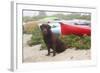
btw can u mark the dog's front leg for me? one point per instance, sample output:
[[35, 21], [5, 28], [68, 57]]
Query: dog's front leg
[[48, 50], [54, 50], [54, 45]]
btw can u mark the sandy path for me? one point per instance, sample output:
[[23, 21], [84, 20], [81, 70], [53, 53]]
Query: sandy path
[[34, 54]]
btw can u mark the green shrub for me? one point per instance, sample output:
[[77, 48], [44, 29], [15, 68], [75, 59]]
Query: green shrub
[[78, 42], [43, 46], [36, 36], [72, 41]]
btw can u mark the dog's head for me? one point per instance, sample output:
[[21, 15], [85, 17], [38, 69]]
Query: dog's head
[[45, 28]]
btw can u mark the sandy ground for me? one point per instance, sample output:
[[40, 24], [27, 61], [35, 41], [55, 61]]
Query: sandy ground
[[34, 54]]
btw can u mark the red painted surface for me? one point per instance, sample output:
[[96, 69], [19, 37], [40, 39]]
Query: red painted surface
[[80, 30]]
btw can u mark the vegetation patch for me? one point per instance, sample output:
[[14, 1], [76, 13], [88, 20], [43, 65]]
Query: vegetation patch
[[29, 27], [72, 41]]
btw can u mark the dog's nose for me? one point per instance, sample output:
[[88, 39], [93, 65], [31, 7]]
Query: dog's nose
[[44, 30]]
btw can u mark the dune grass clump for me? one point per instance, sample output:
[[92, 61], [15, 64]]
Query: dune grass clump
[[29, 27], [78, 42], [74, 41]]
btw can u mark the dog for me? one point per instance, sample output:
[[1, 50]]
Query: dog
[[51, 41]]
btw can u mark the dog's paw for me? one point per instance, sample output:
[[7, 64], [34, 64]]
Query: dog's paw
[[47, 54], [54, 55]]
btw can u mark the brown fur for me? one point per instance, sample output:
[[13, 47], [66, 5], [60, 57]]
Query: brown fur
[[51, 41]]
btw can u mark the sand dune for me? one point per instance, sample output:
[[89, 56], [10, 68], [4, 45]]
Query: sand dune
[[34, 54]]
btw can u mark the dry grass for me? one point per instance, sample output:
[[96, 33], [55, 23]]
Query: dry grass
[[29, 26]]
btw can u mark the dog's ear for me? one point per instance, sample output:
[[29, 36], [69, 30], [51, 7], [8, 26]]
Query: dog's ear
[[40, 26], [49, 26]]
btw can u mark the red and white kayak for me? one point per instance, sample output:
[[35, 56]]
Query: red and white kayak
[[80, 30]]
